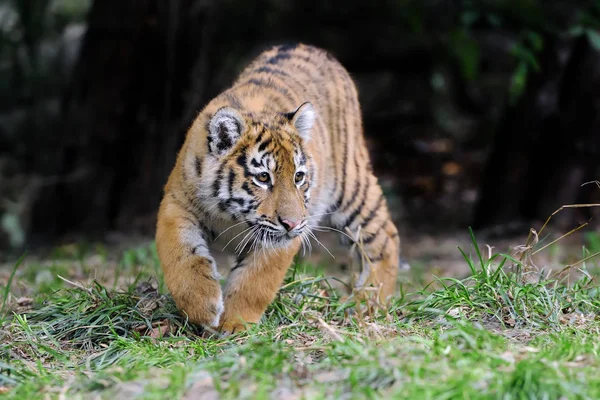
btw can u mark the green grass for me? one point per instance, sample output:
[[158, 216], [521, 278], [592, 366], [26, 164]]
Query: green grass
[[507, 331]]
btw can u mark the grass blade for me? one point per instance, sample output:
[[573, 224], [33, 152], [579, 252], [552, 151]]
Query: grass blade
[[9, 284]]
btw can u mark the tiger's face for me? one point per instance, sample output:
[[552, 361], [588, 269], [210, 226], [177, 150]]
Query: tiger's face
[[262, 173]]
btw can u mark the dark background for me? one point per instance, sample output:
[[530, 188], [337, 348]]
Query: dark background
[[481, 113]]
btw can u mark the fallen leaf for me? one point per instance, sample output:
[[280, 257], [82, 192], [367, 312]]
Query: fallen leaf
[[24, 301], [160, 330], [451, 168]]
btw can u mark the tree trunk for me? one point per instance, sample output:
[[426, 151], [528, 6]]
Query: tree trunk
[[120, 118], [547, 145]]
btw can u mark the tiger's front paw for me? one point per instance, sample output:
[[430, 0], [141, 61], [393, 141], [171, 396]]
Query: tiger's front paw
[[231, 326], [202, 307], [235, 320]]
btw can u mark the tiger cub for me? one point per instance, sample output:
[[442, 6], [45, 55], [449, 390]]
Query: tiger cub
[[263, 164]]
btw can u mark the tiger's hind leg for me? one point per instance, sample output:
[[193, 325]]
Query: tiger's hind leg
[[365, 217]]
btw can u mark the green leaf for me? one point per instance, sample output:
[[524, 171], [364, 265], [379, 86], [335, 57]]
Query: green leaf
[[466, 51], [494, 19], [594, 38], [518, 82], [536, 40], [576, 30], [525, 56], [469, 17]]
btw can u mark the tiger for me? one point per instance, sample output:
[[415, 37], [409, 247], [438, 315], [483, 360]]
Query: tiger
[[265, 163]]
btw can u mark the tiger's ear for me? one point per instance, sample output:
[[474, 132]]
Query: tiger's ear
[[224, 129], [303, 119]]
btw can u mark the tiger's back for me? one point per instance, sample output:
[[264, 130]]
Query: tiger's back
[[297, 107]]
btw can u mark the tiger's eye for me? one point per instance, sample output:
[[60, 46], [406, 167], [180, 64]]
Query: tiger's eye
[[299, 176], [263, 177]]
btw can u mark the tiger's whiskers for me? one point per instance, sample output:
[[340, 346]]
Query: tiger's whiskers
[[309, 232], [236, 236], [231, 227]]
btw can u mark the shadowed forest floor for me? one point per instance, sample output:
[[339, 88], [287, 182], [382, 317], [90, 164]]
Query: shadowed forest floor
[[94, 321]]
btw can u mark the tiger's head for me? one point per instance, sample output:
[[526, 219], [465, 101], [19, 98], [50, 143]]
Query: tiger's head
[[258, 170]]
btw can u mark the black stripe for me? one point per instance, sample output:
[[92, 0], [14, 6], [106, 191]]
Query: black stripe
[[302, 156], [280, 56], [287, 47], [217, 181], [358, 181], [369, 239], [230, 182], [224, 143], [204, 231], [373, 212], [264, 144], [202, 227], [257, 82], [198, 166], [376, 259], [355, 190], [381, 255], [242, 161], [232, 199], [239, 261], [250, 206], [247, 189], [352, 217], [268, 70], [236, 266]]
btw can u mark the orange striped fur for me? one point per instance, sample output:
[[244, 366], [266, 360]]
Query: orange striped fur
[[267, 160]]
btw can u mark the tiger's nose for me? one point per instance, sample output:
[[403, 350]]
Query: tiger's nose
[[289, 224]]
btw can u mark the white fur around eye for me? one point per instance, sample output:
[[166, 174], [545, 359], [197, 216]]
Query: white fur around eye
[[304, 172], [260, 184], [264, 185]]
